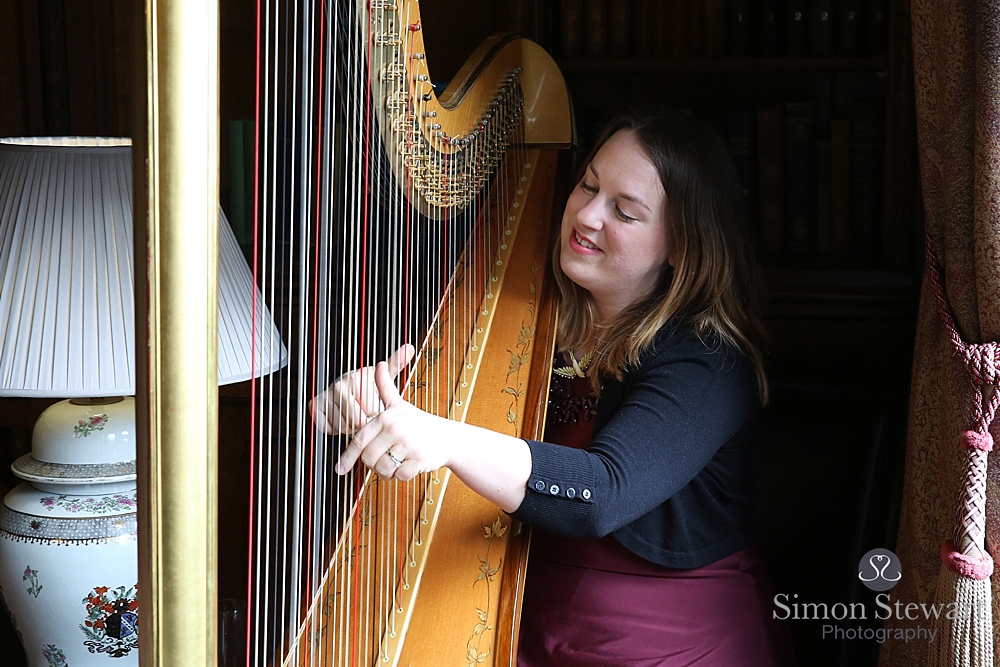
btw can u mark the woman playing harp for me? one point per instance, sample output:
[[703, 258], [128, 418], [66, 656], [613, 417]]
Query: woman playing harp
[[640, 493]]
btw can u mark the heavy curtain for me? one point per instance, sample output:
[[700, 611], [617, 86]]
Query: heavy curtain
[[957, 78]]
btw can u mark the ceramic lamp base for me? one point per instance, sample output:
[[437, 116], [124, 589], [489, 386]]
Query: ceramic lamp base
[[68, 547], [69, 584]]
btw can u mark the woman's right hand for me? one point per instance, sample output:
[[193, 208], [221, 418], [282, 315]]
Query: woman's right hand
[[351, 401]]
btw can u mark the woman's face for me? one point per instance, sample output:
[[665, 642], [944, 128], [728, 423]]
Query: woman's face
[[615, 236]]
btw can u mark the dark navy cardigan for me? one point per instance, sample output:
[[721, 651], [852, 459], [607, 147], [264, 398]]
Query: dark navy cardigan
[[668, 471]]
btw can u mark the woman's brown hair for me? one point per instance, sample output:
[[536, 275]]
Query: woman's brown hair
[[715, 285]]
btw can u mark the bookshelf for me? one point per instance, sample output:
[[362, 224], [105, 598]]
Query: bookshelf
[[749, 64], [841, 70], [853, 178]]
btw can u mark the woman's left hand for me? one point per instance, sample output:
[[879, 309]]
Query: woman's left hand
[[402, 441]]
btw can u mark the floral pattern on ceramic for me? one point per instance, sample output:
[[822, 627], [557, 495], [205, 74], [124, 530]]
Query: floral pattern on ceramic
[[54, 655], [31, 576], [85, 427], [100, 505], [112, 625]]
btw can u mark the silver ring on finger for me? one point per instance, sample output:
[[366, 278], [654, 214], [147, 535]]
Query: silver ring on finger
[[396, 462]]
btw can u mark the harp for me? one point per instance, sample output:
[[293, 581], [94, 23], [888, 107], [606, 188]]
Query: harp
[[375, 186]]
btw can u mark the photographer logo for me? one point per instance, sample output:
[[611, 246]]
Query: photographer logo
[[879, 570]]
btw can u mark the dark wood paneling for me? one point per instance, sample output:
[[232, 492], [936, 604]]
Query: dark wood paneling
[[65, 67], [21, 112], [55, 74], [452, 31], [106, 84], [124, 17], [81, 76], [12, 110], [31, 69]]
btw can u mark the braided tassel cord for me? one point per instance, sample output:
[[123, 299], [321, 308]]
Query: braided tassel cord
[[966, 640]]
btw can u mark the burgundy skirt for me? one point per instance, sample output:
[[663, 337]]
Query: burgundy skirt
[[594, 603]]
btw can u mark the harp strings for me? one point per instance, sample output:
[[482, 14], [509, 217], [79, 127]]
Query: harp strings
[[351, 270]]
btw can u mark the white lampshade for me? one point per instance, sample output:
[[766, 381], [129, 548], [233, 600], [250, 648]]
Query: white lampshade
[[66, 275]]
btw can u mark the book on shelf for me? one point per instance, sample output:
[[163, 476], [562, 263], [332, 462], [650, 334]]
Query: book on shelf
[[595, 28], [659, 29], [692, 22], [849, 27], [619, 28], [821, 27], [740, 132], [800, 179], [675, 32], [769, 27], [534, 19], [571, 28], [715, 28], [645, 14], [515, 16], [824, 198], [878, 31], [866, 150], [840, 187], [796, 27], [737, 27], [642, 30], [770, 183]]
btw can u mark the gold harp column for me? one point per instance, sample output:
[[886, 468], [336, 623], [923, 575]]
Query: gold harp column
[[175, 158]]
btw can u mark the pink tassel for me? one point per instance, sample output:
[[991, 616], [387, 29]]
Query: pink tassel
[[973, 568], [977, 440]]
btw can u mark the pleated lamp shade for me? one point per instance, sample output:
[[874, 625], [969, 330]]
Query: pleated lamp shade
[[67, 320]]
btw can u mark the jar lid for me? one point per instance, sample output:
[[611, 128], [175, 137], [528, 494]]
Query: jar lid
[[80, 502], [83, 431], [29, 468]]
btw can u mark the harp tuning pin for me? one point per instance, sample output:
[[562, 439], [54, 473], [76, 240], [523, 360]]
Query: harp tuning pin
[[430, 114], [414, 27], [417, 56], [422, 77], [434, 126]]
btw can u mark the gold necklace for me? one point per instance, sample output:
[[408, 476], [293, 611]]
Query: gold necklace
[[578, 369]]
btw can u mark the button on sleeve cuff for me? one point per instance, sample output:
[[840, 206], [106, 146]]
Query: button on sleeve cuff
[[560, 497]]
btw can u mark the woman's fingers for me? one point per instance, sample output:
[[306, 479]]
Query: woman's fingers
[[385, 465], [353, 419], [371, 445], [398, 360], [386, 385], [359, 448], [375, 434], [317, 408], [364, 387], [335, 411], [324, 414], [364, 393]]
